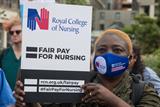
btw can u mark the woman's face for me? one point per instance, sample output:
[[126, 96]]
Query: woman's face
[[113, 44], [16, 34]]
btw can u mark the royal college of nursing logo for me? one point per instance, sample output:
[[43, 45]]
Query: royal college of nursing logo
[[101, 64], [42, 20]]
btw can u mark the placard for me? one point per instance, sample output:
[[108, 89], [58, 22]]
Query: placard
[[56, 46]]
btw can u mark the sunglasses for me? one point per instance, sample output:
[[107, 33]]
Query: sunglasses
[[16, 31]]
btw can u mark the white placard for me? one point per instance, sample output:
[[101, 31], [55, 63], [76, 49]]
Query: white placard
[[56, 37]]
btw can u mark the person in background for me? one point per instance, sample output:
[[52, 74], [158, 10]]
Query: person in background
[[11, 56], [6, 95], [148, 75], [112, 86]]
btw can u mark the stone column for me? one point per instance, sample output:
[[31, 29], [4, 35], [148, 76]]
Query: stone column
[[152, 10]]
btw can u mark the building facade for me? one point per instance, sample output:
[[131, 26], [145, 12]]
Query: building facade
[[118, 13], [112, 13], [8, 9], [112, 19]]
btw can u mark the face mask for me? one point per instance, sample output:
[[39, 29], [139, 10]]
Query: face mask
[[110, 65]]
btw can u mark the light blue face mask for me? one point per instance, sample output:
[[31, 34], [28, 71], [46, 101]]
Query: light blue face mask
[[111, 65]]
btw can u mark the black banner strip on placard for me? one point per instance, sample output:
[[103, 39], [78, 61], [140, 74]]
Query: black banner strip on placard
[[54, 97], [31, 49], [30, 55]]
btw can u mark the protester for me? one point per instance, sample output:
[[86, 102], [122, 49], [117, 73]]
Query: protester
[[113, 86], [10, 57], [6, 96], [148, 75]]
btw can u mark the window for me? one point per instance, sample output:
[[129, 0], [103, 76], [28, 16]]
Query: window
[[102, 15], [146, 10], [101, 26], [117, 15], [108, 6], [1, 1], [156, 10], [133, 14], [7, 3], [156, 1]]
